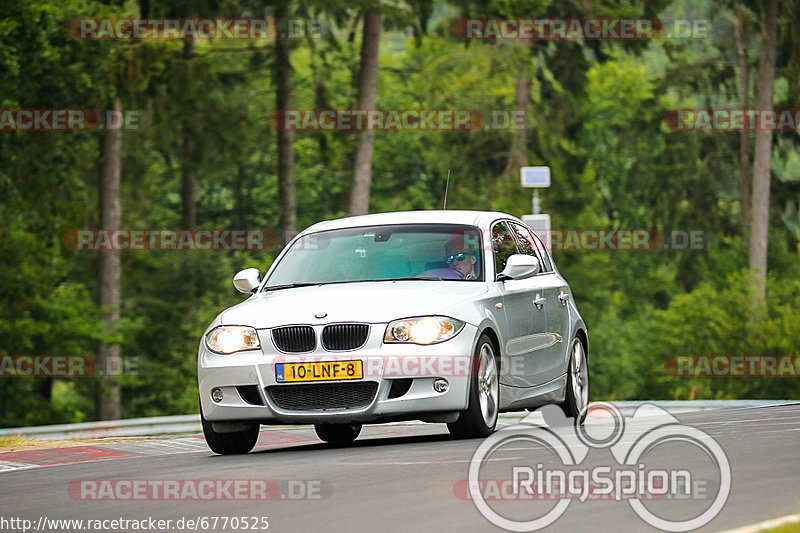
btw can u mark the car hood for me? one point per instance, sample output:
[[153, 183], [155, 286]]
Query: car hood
[[373, 302]]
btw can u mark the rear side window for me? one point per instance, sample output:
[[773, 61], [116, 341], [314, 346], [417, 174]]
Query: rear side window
[[503, 246], [548, 262]]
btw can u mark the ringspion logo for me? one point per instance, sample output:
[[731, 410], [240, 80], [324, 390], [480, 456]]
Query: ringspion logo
[[557, 473]]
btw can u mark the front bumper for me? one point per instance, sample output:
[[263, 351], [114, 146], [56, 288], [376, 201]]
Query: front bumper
[[383, 364]]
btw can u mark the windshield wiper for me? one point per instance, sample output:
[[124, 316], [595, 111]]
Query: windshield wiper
[[288, 286]]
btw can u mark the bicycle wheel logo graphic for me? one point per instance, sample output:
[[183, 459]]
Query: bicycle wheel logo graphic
[[629, 440]]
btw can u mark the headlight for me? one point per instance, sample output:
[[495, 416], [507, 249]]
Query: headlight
[[230, 339], [423, 330]]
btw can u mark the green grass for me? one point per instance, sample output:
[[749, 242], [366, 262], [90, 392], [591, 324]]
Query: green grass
[[788, 528]]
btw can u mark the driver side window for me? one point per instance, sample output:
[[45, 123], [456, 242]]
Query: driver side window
[[503, 245]]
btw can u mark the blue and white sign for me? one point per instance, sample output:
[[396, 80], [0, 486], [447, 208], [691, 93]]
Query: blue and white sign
[[535, 176]]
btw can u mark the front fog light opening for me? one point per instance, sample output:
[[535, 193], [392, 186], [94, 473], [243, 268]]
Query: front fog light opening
[[216, 395], [441, 385]]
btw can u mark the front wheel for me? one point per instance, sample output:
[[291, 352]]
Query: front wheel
[[234, 443], [338, 433], [480, 417], [577, 396]]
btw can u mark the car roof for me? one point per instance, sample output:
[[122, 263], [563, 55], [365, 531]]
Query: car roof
[[481, 219]]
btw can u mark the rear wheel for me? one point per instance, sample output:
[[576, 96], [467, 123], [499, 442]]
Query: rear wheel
[[236, 442], [577, 396], [480, 417], [338, 433]]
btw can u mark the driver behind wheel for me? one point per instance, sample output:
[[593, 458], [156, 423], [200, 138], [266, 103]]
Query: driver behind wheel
[[461, 260]]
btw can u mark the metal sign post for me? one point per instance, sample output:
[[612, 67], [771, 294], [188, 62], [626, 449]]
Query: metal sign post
[[537, 178]]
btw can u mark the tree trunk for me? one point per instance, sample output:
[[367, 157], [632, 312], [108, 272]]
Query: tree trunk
[[763, 153], [108, 404], [368, 93], [744, 103], [282, 79], [517, 156], [188, 204]]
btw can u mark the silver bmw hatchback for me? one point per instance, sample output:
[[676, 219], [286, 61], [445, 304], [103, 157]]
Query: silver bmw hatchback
[[441, 316]]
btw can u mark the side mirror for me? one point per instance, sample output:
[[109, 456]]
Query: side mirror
[[519, 266], [248, 280]]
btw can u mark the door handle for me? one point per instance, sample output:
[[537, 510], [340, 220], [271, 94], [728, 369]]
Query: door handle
[[539, 301], [564, 296]]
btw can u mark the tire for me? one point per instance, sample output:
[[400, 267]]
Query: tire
[[576, 399], [337, 433], [234, 443], [480, 417]]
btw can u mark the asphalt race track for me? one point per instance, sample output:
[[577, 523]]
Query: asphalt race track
[[399, 477]]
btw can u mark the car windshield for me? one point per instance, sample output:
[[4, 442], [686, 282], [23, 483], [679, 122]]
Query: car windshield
[[393, 252]]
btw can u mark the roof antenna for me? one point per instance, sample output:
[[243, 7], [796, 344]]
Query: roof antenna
[[447, 186]]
